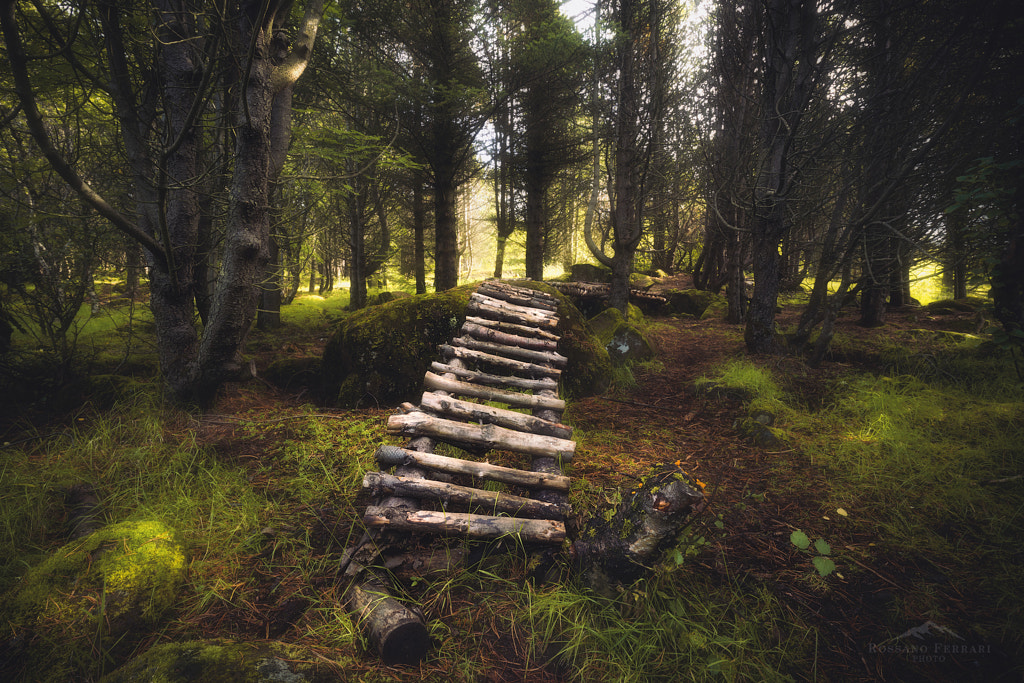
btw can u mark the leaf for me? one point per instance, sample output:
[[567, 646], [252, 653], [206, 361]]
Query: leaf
[[842, 513], [822, 547], [800, 540], [824, 565]]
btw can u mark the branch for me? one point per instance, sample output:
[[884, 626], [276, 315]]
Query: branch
[[23, 87], [289, 71]]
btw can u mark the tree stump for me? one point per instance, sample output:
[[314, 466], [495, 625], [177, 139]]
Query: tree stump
[[619, 550]]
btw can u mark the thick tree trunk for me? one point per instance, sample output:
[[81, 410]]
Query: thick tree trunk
[[446, 233]]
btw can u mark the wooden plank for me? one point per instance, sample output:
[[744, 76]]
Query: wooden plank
[[512, 398], [539, 357], [465, 524], [511, 364], [393, 456], [498, 337], [481, 436], [485, 379], [490, 501], [512, 328], [440, 404]]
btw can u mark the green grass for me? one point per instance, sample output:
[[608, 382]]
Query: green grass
[[925, 456]]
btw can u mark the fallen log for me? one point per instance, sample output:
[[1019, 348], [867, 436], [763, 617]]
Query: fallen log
[[465, 524], [498, 337], [490, 501], [512, 398], [480, 436], [513, 328], [392, 456], [495, 380], [512, 365], [542, 357], [396, 632], [445, 406]]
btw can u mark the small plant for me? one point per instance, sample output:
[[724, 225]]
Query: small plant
[[821, 561]]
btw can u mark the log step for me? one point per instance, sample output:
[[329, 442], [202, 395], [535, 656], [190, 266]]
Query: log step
[[489, 334], [465, 524], [486, 436], [496, 309], [442, 405], [393, 456], [553, 357], [512, 398], [523, 368], [513, 328], [487, 380], [379, 483]]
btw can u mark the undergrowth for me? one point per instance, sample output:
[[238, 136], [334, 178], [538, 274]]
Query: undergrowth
[[928, 456]]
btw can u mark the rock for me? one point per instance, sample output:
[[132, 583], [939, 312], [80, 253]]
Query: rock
[[641, 281], [623, 340], [216, 661], [695, 302], [95, 597], [385, 297], [378, 356], [969, 304], [758, 432], [587, 272], [292, 374]]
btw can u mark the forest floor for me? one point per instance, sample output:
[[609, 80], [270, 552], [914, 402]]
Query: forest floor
[[758, 497], [860, 615]]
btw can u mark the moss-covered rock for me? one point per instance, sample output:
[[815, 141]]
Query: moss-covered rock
[[588, 272], [218, 661], [718, 307], [641, 281], [91, 601], [386, 297], [621, 338], [968, 304], [378, 356], [693, 302]]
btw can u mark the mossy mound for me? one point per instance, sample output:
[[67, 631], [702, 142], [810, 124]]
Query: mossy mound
[[970, 304], [622, 338], [91, 602], [218, 661], [695, 302], [378, 356]]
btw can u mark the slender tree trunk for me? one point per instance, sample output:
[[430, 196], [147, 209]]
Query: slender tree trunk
[[419, 224]]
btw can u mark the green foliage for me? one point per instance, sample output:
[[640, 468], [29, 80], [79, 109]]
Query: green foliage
[[819, 556]]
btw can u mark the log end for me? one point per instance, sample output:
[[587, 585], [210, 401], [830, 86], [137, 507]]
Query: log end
[[391, 456], [406, 643]]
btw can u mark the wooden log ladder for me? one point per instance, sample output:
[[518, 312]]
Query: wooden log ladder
[[495, 388]]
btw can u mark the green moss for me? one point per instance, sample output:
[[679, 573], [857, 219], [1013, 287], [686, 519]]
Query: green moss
[[221, 661], [378, 356], [99, 594]]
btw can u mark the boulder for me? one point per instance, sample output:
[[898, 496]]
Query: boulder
[[378, 356], [91, 602], [217, 661], [622, 339], [588, 272], [695, 302]]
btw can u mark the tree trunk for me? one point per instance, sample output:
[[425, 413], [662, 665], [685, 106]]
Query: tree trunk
[[419, 221], [446, 219]]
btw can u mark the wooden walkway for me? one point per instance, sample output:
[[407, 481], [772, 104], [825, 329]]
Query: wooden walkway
[[495, 388]]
